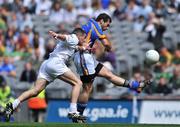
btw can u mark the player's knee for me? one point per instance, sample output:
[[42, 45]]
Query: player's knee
[[77, 82], [80, 83]]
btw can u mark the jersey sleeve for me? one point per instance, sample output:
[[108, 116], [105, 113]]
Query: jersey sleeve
[[99, 32], [72, 39]]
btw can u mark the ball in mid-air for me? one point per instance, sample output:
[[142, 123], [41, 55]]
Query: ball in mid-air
[[152, 56]]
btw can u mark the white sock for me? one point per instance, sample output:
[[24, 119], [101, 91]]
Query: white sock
[[15, 103], [73, 107]]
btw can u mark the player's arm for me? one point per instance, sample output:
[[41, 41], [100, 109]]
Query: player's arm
[[103, 38], [57, 36], [106, 43]]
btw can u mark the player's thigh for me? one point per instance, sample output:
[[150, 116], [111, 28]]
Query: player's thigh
[[40, 84], [70, 78]]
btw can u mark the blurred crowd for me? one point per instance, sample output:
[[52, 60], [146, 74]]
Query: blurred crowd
[[19, 40]]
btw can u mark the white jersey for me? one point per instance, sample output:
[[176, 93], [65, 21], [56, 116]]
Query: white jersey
[[56, 64], [65, 49]]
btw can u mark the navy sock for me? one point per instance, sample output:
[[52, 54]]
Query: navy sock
[[81, 108]]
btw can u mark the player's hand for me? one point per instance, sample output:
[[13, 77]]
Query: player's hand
[[53, 34], [91, 49], [83, 48]]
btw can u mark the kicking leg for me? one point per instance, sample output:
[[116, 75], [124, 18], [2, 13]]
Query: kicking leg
[[104, 72], [118, 81]]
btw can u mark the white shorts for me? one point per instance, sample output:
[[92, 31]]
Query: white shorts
[[52, 68], [87, 64]]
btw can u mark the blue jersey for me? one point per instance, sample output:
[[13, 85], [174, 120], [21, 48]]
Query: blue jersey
[[93, 32], [84, 61]]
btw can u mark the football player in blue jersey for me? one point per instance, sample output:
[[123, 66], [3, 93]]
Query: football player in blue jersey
[[88, 68]]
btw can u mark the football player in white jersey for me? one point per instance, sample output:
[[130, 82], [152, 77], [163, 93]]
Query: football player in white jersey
[[55, 67]]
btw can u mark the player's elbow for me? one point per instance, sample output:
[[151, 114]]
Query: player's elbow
[[107, 44], [108, 47]]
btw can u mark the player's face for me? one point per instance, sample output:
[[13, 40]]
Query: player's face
[[82, 38], [105, 25]]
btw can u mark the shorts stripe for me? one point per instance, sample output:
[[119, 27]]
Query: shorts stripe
[[83, 64]]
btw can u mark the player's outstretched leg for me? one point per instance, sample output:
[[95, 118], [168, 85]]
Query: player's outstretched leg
[[118, 81]]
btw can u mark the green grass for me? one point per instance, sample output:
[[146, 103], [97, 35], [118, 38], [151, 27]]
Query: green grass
[[80, 125]]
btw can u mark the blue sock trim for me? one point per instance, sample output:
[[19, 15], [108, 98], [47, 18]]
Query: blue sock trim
[[81, 108], [135, 84]]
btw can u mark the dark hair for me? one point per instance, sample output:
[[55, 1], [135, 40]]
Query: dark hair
[[78, 31], [105, 17]]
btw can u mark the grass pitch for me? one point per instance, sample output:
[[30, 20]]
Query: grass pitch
[[80, 125]]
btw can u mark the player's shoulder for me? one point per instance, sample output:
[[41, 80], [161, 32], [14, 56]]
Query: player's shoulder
[[95, 24], [92, 20], [86, 25], [72, 38], [89, 22]]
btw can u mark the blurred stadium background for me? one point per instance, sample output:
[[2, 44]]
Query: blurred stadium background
[[138, 25]]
